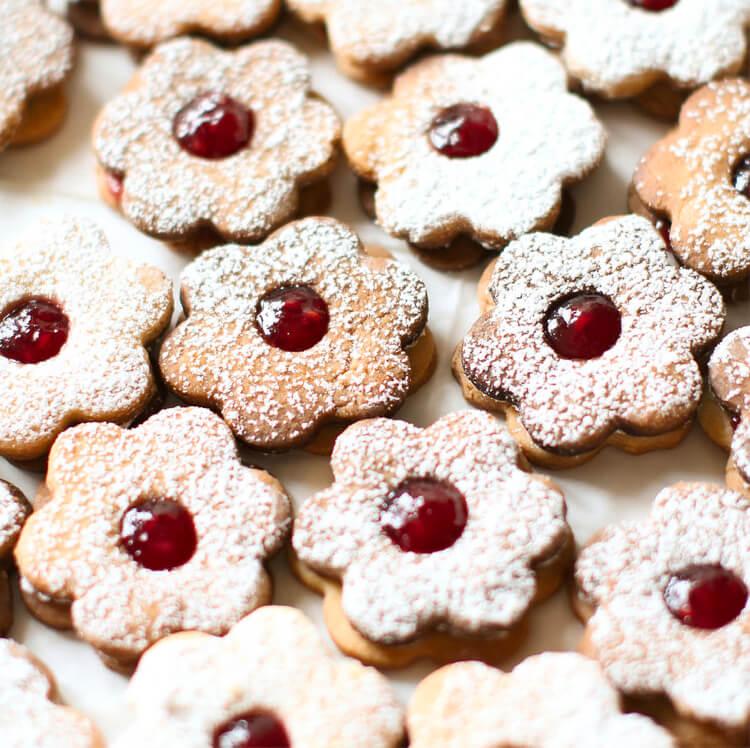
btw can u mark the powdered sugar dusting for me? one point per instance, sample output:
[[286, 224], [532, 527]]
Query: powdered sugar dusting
[[643, 648], [272, 661], [616, 48], [548, 138], [648, 382], [377, 32], [170, 193], [484, 583], [115, 308], [688, 176], [272, 398], [36, 53], [70, 549], [27, 715], [552, 700]]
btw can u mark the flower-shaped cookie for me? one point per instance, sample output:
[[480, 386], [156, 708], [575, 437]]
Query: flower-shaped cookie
[[142, 23], [433, 536], [725, 413], [480, 148], [696, 181], [271, 678], [74, 323], [30, 716], [373, 37], [559, 700], [36, 56], [667, 600], [620, 48], [152, 530], [297, 332], [207, 139], [14, 509], [591, 340]]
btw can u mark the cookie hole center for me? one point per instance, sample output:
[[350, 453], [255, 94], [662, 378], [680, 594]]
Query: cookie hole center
[[213, 126], [705, 596], [653, 6], [292, 318], [251, 730], [424, 515], [464, 131], [582, 326], [159, 534], [33, 330]]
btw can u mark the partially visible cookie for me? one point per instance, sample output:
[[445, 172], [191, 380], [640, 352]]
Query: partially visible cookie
[[473, 153], [560, 700], [431, 543], [372, 38], [268, 683], [665, 601], [31, 716], [36, 57], [14, 509]]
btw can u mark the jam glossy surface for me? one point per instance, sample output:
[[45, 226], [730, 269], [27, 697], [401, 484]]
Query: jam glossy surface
[[252, 731], [705, 596], [115, 185], [423, 515], [293, 318], [33, 331], [213, 126], [654, 6], [158, 534], [464, 131], [583, 326], [664, 226]]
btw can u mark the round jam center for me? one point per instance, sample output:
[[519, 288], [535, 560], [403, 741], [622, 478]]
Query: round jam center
[[423, 515], [741, 176], [705, 597], [33, 331], [582, 327], [464, 131], [653, 5], [158, 534], [213, 125], [252, 731], [294, 318]]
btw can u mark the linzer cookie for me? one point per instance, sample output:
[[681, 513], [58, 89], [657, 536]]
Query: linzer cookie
[[474, 151], [590, 341], [204, 141], [695, 183], [31, 715], [665, 600], [431, 543], [149, 531], [655, 49], [552, 699], [14, 509], [75, 321], [292, 339], [725, 410], [372, 38], [36, 56], [268, 683], [143, 24]]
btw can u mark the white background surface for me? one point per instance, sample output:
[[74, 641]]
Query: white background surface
[[57, 177]]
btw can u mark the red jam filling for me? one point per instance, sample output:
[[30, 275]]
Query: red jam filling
[[293, 318], [158, 534], [735, 419], [741, 176], [582, 327], [653, 5], [115, 183], [423, 515], [664, 226], [252, 731], [464, 131], [705, 596], [33, 331], [213, 125]]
